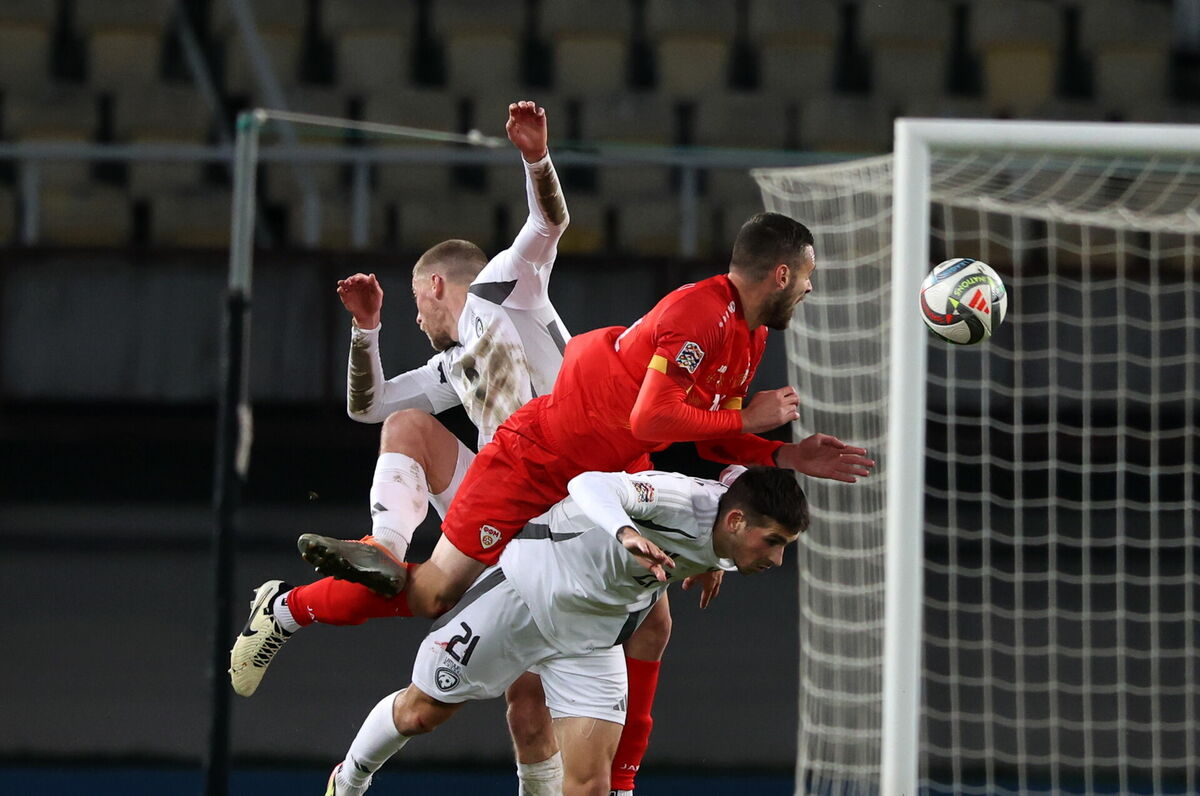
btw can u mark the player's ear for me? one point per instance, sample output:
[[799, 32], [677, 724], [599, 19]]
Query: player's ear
[[783, 275], [437, 284]]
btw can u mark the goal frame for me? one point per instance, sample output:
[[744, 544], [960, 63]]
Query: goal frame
[[905, 449]]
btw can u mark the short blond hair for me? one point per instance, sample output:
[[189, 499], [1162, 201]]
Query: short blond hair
[[458, 261]]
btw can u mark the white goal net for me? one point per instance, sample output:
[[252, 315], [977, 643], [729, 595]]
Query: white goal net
[[1059, 620]]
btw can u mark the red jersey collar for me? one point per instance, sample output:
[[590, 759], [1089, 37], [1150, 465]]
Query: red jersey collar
[[731, 290]]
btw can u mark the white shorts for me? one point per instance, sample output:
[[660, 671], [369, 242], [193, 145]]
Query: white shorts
[[489, 639], [441, 501]]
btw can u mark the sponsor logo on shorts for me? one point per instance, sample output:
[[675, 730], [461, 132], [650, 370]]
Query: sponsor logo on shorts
[[446, 679], [645, 492], [689, 356], [488, 536]]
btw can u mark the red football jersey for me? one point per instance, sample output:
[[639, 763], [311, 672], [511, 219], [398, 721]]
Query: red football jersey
[[696, 335]]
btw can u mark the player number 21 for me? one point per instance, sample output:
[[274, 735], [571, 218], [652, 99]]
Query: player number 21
[[467, 638]]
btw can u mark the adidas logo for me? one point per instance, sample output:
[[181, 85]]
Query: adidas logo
[[620, 705]]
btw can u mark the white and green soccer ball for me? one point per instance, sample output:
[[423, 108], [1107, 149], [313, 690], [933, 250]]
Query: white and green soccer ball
[[963, 301]]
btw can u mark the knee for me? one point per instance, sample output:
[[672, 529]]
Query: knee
[[404, 431], [586, 783]]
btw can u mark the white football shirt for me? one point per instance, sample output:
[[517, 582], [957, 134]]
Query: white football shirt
[[584, 590], [511, 339]]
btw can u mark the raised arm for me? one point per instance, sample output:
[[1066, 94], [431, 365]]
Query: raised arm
[[369, 397], [537, 242]]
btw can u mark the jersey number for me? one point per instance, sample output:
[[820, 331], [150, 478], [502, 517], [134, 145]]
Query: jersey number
[[467, 638]]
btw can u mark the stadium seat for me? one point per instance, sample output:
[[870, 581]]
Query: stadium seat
[[124, 59], [455, 17], [344, 16], [629, 118], [648, 226], [336, 222], [842, 123], [590, 62], [1129, 45], [191, 218], [482, 62], [424, 222], [1018, 40], [282, 47], [796, 45], [691, 18], [692, 64], [725, 119], [63, 114], [425, 109], [585, 16], [372, 60], [94, 15], [28, 12], [84, 216], [286, 15], [8, 217], [161, 114], [908, 45], [24, 55], [587, 233]]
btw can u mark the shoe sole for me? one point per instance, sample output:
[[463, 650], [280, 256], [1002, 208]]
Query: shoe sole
[[355, 562]]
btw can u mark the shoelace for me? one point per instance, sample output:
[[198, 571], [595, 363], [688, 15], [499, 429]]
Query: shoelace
[[270, 646]]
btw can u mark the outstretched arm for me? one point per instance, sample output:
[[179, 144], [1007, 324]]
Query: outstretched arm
[[537, 241]]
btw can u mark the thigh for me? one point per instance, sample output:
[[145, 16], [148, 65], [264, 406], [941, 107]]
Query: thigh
[[477, 650], [588, 746], [511, 481], [592, 685]]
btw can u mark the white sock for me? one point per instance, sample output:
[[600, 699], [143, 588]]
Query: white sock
[[399, 501], [283, 614], [541, 779], [377, 740]]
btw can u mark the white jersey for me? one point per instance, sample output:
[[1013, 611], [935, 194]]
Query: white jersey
[[584, 590], [511, 339]]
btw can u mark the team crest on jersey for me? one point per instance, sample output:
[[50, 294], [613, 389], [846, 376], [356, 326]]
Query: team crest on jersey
[[645, 491], [446, 679], [488, 536], [689, 356]]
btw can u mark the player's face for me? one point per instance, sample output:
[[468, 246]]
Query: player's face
[[781, 306], [433, 316], [757, 548]]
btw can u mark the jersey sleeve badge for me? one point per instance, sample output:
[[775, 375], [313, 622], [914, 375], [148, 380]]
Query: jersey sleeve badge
[[644, 491], [690, 356]]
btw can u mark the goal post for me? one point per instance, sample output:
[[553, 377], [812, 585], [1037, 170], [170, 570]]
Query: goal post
[[1045, 642]]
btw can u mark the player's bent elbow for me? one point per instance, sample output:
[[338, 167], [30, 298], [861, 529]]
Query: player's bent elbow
[[365, 414]]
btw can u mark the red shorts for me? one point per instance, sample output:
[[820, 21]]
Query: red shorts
[[511, 481]]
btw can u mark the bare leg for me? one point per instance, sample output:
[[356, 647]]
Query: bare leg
[[437, 584], [588, 745]]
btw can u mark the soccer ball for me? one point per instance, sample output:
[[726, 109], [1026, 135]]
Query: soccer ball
[[963, 301]]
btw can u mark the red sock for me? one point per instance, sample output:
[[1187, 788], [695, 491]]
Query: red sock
[[643, 680], [339, 602]]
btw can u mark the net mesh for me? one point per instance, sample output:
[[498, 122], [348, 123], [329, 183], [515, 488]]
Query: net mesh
[[1059, 617]]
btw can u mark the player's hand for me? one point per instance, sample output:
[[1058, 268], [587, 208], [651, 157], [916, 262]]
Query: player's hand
[[823, 456], [362, 295], [526, 128], [770, 409], [710, 583], [647, 553]]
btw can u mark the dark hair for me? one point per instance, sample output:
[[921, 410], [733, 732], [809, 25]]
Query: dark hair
[[768, 493], [458, 261], [767, 240]]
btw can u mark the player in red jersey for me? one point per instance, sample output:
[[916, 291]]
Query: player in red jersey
[[680, 373]]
